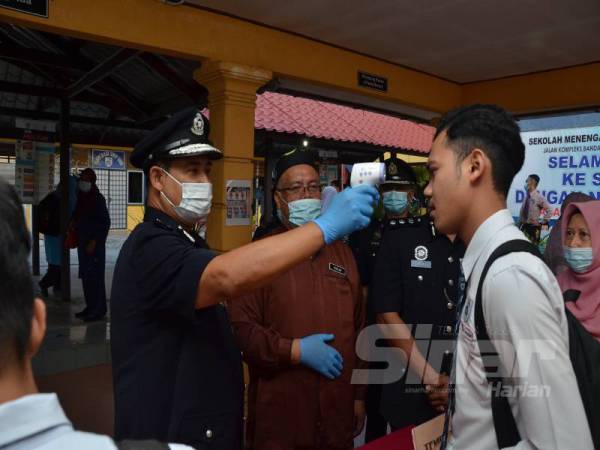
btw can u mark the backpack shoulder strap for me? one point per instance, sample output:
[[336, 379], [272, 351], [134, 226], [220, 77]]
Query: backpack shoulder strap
[[149, 444], [507, 434]]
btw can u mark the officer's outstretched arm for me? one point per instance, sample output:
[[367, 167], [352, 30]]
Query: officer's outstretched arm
[[246, 268], [399, 335]]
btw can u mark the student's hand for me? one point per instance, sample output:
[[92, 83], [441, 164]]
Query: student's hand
[[359, 417], [349, 211], [323, 358], [90, 248], [437, 393]]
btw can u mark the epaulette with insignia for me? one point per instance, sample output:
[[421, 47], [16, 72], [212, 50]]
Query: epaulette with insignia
[[409, 222], [182, 230], [161, 224]]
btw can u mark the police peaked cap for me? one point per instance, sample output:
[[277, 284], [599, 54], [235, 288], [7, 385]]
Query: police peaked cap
[[398, 171], [185, 134]]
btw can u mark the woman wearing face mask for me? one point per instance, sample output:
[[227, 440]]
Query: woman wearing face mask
[[91, 222], [580, 283], [554, 253]]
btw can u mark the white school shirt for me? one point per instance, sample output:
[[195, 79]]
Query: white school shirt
[[38, 422], [523, 309]]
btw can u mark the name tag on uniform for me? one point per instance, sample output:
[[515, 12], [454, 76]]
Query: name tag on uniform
[[420, 264], [337, 269]]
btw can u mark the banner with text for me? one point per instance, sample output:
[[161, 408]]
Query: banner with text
[[566, 160]]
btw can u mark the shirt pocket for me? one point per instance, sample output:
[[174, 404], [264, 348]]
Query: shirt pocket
[[338, 287]]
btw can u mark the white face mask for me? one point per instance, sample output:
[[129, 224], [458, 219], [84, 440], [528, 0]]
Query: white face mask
[[196, 200]]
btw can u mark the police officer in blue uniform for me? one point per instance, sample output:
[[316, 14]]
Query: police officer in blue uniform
[[414, 286], [365, 245], [177, 372]]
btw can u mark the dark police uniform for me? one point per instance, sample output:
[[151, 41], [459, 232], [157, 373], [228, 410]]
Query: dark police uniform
[[417, 274], [177, 370], [365, 245]]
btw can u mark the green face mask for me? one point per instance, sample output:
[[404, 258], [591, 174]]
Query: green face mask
[[395, 202], [302, 211]]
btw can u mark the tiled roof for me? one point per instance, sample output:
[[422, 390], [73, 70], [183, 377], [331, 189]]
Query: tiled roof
[[318, 119]]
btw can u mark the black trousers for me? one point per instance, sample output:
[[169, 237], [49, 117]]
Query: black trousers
[[91, 272], [376, 423], [52, 278]]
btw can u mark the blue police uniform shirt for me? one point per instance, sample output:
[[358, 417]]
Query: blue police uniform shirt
[[177, 370], [365, 245], [416, 274]]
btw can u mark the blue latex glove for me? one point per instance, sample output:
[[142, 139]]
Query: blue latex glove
[[323, 358], [349, 211]]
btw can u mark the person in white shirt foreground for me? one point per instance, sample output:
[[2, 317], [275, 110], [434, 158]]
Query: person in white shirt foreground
[[477, 151], [28, 419]]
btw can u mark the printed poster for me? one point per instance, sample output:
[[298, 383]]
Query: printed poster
[[238, 195]]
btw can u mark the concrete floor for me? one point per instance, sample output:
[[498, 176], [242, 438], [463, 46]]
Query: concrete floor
[[74, 360], [70, 343]]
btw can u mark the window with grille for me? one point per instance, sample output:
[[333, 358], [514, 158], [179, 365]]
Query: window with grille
[[113, 185]]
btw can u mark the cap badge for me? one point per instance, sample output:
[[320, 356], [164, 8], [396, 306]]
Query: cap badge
[[421, 253], [392, 169], [198, 125]]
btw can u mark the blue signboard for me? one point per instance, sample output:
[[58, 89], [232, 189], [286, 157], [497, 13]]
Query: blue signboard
[[108, 159], [566, 161]]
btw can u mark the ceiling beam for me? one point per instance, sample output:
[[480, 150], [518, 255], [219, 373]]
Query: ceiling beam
[[44, 115], [127, 106], [136, 108], [195, 92], [75, 137], [101, 71], [140, 107], [33, 56], [30, 89], [52, 74], [112, 103]]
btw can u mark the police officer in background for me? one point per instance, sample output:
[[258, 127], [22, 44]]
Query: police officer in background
[[177, 371], [365, 244], [415, 286]]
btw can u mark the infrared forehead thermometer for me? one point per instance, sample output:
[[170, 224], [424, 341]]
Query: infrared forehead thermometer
[[367, 173]]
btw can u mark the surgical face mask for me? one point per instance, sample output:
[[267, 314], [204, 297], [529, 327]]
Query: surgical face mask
[[395, 202], [578, 259], [85, 186], [196, 200], [302, 211]]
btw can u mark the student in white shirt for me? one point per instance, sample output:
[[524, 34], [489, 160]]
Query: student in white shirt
[[28, 419], [475, 155]]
